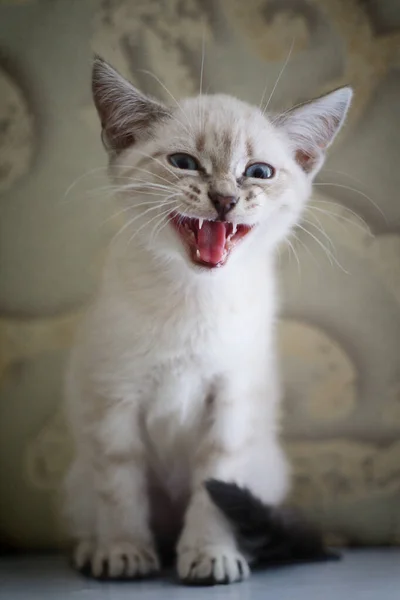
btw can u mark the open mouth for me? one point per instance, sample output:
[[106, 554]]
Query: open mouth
[[209, 242]]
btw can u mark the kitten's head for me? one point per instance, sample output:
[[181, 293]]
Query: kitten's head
[[210, 176]]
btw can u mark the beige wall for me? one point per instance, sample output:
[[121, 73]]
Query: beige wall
[[340, 337]]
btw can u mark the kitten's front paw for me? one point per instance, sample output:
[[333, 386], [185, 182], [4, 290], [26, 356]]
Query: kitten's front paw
[[212, 565], [117, 560]]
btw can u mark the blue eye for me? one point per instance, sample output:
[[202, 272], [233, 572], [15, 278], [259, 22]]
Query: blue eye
[[260, 171], [183, 161]]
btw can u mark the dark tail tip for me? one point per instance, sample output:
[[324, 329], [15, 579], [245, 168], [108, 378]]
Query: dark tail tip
[[273, 535]]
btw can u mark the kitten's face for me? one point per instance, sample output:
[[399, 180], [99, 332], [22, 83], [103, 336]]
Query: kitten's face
[[208, 179], [232, 176]]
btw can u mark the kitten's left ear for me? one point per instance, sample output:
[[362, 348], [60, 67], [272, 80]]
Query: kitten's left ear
[[313, 126]]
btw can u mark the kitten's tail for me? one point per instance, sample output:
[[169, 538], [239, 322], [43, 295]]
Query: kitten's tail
[[270, 535]]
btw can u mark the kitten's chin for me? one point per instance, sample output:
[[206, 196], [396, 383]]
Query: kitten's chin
[[208, 243]]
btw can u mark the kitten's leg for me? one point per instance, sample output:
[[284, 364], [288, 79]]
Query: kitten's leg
[[110, 517], [79, 502], [207, 550]]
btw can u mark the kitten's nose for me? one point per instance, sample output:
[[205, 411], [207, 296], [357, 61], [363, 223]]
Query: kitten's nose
[[222, 204]]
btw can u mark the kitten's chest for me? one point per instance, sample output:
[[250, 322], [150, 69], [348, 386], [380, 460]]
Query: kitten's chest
[[201, 337], [158, 344], [174, 417]]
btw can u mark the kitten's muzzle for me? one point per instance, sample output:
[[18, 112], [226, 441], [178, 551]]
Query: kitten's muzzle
[[222, 204]]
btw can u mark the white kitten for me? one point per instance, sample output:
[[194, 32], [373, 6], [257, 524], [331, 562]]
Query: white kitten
[[173, 378]]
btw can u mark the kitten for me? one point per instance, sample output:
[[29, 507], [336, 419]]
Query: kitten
[[173, 378]]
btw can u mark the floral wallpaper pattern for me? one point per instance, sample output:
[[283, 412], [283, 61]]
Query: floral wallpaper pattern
[[340, 275]]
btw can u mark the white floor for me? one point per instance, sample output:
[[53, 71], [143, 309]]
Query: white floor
[[361, 575]]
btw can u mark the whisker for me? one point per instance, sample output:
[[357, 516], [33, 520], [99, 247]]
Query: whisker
[[287, 111], [148, 187], [337, 205], [159, 162], [263, 94], [295, 255], [80, 178], [134, 207], [131, 221], [171, 96], [105, 169], [178, 208], [321, 230], [363, 194], [145, 225], [156, 174], [279, 76], [340, 218], [304, 245], [163, 222], [355, 179], [112, 189], [144, 181], [201, 104], [131, 168], [328, 253], [164, 218]]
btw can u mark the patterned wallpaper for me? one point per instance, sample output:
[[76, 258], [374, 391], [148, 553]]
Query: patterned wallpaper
[[340, 327]]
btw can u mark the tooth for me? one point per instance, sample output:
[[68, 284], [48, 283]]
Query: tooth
[[201, 223], [234, 228], [197, 254]]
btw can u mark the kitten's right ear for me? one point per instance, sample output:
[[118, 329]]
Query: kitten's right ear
[[312, 126], [126, 115]]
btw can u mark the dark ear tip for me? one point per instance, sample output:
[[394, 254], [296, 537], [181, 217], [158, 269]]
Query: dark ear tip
[[99, 66], [97, 63], [97, 59]]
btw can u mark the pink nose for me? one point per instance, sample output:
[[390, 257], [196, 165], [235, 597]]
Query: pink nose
[[222, 204]]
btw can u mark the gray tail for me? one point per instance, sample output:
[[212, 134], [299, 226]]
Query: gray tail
[[271, 535]]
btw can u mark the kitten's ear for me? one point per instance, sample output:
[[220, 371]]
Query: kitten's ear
[[126, 114], [313, 126]]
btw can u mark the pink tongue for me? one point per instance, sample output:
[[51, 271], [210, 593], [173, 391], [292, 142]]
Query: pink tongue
[[211, 241]]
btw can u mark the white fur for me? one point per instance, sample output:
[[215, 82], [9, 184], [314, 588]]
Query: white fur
[[173, 377]]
